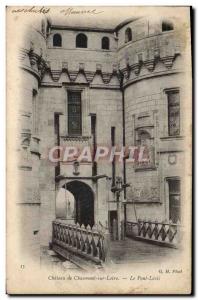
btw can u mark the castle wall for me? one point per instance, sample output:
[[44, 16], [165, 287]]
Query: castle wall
[[32, 47], [89, 56], [106, 104], [94, 40], [150, 65]]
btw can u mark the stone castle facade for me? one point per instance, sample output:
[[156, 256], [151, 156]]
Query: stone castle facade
[[89, 86]]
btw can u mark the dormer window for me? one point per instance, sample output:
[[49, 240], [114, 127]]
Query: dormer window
[[167, 26], [57, 40], [81, 41], [128, 35], [105, 43]]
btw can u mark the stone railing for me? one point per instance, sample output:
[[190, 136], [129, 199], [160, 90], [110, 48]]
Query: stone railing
[[163, 233], [87, 243]]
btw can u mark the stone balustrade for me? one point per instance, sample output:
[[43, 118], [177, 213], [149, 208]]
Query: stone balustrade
[[168, 234], [87, 243]]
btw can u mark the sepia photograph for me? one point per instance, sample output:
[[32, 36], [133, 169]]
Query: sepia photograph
[[99, 150]]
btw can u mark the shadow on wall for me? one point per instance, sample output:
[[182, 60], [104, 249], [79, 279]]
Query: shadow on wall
[[75, 203], [65, 205]]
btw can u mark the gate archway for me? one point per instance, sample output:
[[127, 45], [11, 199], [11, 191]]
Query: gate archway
[[84, 202]]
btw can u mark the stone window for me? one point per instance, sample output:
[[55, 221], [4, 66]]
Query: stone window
[[167, 26], [128, 35], [74, 113], [173, 113], [105, 43], [57, 40], [174, 200], [81, 41]]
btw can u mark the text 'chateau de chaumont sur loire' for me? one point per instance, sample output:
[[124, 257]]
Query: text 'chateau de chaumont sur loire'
[[101, 110]]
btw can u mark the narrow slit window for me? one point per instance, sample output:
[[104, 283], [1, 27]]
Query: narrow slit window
[[173, 113], [128, 35], [34, 112]]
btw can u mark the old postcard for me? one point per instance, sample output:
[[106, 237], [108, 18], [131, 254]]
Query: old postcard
[[99, 104]]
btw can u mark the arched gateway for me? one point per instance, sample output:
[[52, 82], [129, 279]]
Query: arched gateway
[[83, 203]]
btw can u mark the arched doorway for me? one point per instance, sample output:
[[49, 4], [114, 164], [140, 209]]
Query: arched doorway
[[84, 202]]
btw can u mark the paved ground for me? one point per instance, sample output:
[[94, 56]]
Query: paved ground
[[123, 253], [129, 251], [54, 262]]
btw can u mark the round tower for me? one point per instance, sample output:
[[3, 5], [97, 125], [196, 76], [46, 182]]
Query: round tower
[[32, 65], [150, 55]]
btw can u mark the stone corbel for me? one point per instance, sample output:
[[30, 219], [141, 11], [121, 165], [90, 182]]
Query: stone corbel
[[37, 62], [33, 60], [82, 67], [115, 69], [56, 75], [89, 76], [150, 64], [128, 71], [136, 68], [41, 66], [106, 77], [47, 71], [48, 65], [65, 69], [81, 70], [114, 72], [99, 72], [73, 75], [98, 69], [125, 73], [168, 61], [64, 66]]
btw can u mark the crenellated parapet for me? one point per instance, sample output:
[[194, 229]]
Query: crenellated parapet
[[143, 57], [32, 62], [81, 75], [150, 55]]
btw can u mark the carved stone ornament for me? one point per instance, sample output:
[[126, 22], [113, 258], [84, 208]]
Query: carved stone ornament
[[172, 159], [76, 168]]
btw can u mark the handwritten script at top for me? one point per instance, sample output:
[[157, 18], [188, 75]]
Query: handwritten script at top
[[66, 12], [71, 11], [32, 9]]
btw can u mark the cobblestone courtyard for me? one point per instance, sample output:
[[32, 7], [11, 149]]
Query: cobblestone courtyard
[[123, 253]]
